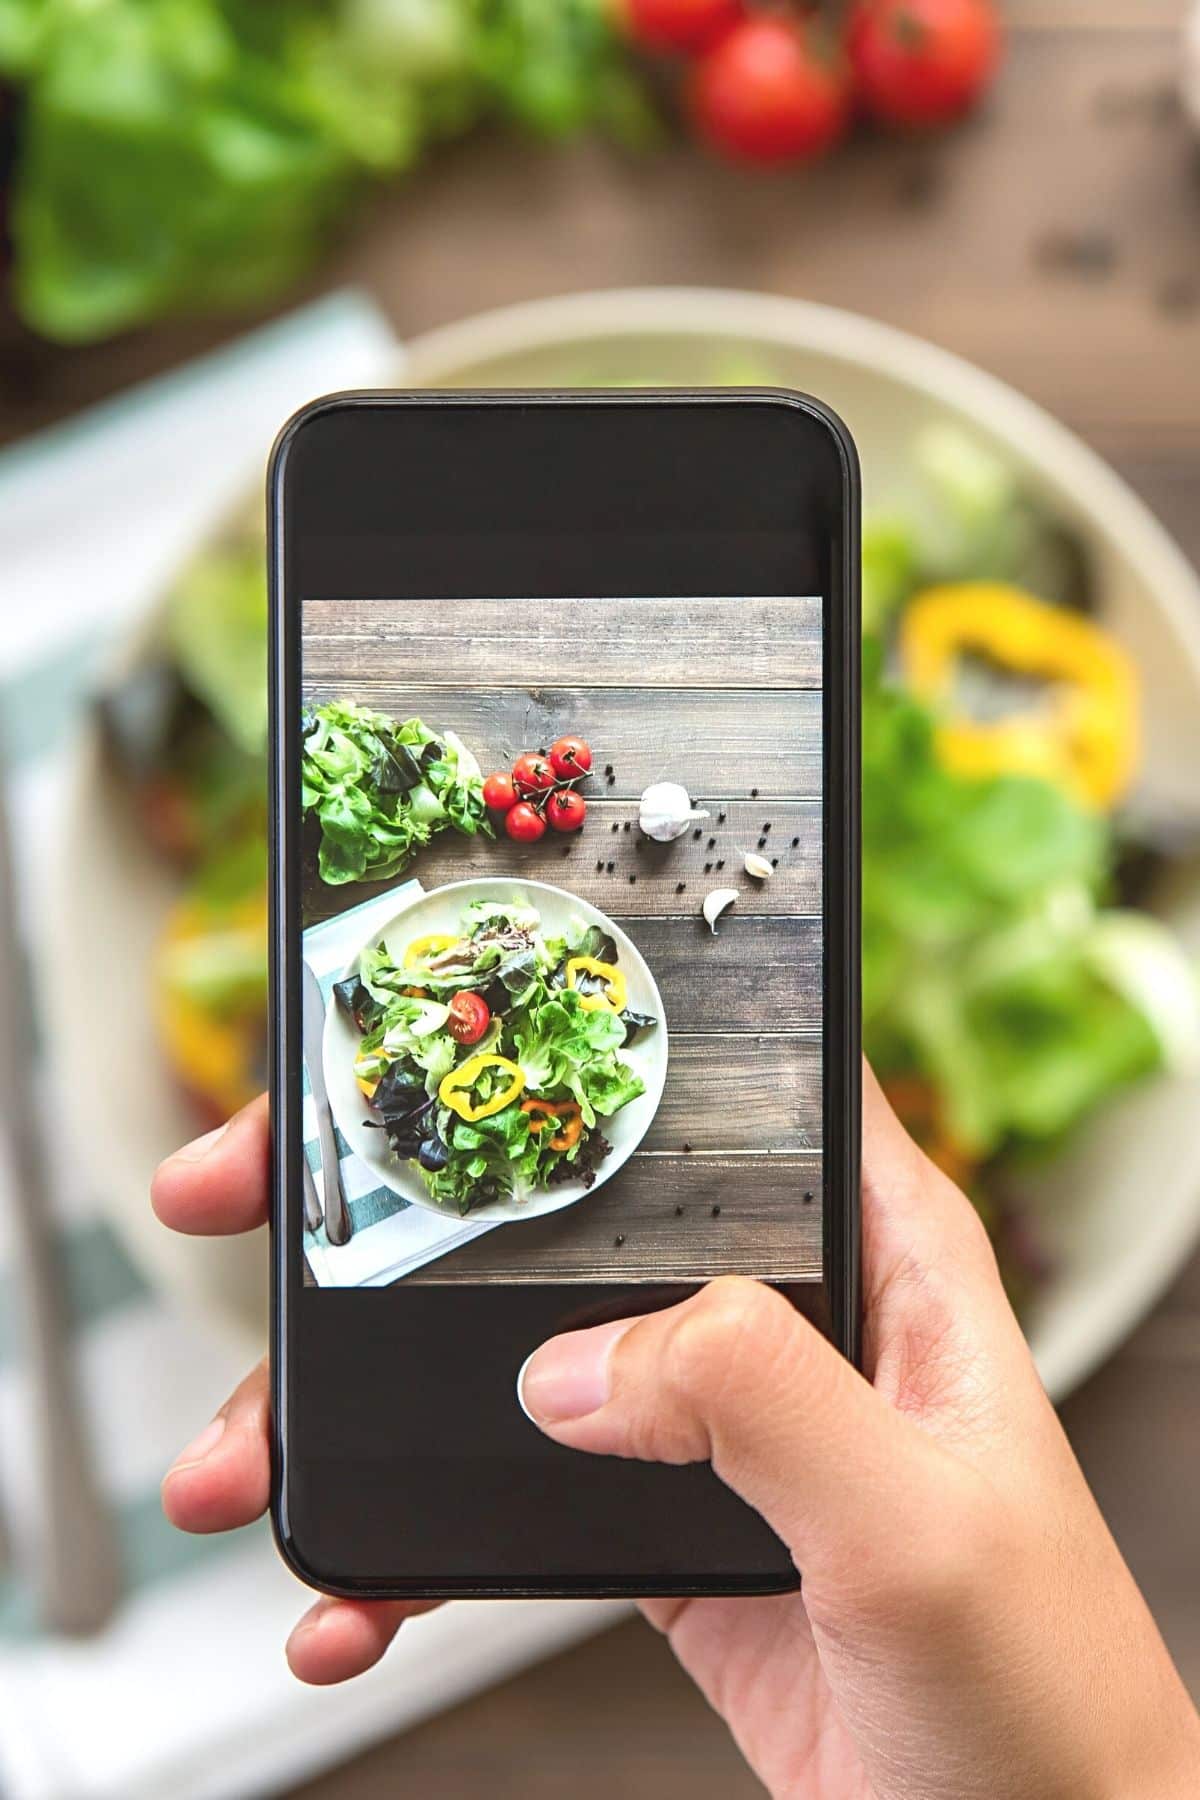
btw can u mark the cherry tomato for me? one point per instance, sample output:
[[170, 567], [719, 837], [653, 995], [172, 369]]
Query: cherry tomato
[[570, 757], [687, 25], [523, 823], [469, 1018], [499, 793], [566, 810], [532, 773], [922, 62], [771, 91]]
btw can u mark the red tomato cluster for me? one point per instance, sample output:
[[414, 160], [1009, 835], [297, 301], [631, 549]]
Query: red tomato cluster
[[775, 86], [543, 789]]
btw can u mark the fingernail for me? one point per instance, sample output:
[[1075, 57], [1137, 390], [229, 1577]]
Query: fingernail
[[570, 1376], [199, 1147], [200, 1446]]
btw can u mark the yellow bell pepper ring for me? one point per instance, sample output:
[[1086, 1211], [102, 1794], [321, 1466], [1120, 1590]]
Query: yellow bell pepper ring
[[613, 997], [454, 1090], [1083, 735], [423, 948]]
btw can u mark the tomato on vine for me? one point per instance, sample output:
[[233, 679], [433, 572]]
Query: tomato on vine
[[922, 62], [686, 25], [499, 793], [566, 810], [524, 823], [773, 90], [532, 773]]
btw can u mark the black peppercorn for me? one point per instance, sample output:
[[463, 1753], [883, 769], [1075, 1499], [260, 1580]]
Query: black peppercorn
[[720, 862], [679, 886], [707, 868], [754, 793], [679, 1212], [795, 841], [619, 1239], [716, 1212]]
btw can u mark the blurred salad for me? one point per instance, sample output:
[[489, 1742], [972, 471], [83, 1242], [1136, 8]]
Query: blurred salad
[[195, 154], [489, 1056], [1011, 982]]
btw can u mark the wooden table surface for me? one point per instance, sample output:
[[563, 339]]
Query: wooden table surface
[[726, 700], [1056, 241]]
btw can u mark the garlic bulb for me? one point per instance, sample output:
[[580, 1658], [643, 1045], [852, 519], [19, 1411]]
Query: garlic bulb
[[759, 867], [666, 811], [715, 904]]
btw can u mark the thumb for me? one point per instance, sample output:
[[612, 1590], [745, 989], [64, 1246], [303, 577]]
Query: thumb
[[736, 1377]]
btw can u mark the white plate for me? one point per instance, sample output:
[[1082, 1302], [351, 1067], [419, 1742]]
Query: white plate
[[441, 911]]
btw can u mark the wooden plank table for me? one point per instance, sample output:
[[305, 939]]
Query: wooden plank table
[[951, 239], [725, 698]]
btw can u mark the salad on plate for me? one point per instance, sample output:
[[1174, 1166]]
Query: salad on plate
[[491, 1057]]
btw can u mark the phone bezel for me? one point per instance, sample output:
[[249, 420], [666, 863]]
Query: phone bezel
[[841, 1034]]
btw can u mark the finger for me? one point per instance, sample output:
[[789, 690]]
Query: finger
[[941, 1340], [337, 1639], [737, 1377], [219, 1184], [223, 1478]]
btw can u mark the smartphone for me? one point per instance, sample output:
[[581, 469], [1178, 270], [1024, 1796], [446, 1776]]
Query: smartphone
[[550, 671]]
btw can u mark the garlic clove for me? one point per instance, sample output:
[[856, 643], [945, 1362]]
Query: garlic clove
[[758, 866], [715, 904]]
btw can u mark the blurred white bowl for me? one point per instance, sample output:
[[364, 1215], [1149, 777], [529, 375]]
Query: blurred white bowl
[[1122, 1210]]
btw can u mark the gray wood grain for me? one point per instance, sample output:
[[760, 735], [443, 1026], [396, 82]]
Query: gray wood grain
[[769, 643], [724, 741], [570, 862], [764, 1224]]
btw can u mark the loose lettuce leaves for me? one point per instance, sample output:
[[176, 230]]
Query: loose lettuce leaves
[[380, 790]]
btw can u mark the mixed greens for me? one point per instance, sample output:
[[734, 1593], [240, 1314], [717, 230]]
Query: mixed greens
[[489, 1056], [195, 154], [379, 790]]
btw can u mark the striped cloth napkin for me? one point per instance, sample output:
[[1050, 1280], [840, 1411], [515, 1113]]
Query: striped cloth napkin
[[391, 1237], [186, 1693]]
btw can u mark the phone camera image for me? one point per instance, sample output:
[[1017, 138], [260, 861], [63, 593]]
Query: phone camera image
[[562, 939]]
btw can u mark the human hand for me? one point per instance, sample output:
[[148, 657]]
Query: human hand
[[967, 1626]]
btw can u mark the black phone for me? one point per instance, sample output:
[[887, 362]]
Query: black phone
[[565, 966]]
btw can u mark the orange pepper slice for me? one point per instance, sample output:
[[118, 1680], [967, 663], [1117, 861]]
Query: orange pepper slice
[[566, 1111]]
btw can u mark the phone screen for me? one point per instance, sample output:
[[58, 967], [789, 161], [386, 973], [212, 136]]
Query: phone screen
[[558, 969], [562, 883]]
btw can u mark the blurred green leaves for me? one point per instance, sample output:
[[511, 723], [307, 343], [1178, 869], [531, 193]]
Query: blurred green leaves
[[194, 154], [990, 967]]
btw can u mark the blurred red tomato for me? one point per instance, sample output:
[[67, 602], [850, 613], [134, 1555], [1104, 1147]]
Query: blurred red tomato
[[773, 90], [687, 25], [922, 62]]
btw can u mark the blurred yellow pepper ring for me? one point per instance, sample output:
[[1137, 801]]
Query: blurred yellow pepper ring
[[455, 1088], [613, 998], [422, 948], [1084, 738]]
